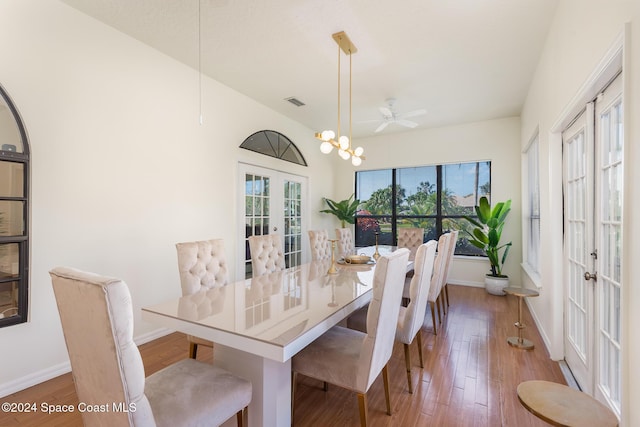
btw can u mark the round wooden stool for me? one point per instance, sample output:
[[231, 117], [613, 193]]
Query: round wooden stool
[[518, 341], [561, 405]]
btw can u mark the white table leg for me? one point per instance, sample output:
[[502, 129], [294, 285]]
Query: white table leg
[[271, 380]]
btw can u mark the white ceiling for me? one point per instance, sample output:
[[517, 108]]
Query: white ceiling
[[461, 60]]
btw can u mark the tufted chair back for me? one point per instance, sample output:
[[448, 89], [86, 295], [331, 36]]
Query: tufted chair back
[[345, 241], [202, 265], [412, 317], [410, 238], [439, 265], [266, 254], [320, 245], [97, 321]]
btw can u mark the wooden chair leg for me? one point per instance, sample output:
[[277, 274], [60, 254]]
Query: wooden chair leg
[[433, 317], [446, 292], [362, 404], [407, 362], [441, 299], [385, 379], [325, 387], [439, 310], [419, 336], [193, 349]]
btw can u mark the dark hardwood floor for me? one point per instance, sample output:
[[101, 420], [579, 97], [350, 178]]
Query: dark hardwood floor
[[469, 379]]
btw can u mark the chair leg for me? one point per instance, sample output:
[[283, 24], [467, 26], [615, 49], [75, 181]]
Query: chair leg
[[407, 362], [325, 387], [385, 379], [440, 315], [193, 349], [433, 317], [446, 292], [362, 404], [441, 299], [419, 335]]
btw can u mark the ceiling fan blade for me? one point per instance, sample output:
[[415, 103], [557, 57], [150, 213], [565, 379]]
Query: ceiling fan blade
[[415, 113], [386, 112], [407, 123], [381, 127]]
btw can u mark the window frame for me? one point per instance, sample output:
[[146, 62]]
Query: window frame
[[438, 217], [531, 210], [23, 239]]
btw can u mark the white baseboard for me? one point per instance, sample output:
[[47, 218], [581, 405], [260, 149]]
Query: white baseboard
[[153, 335], [35, 378], [466, 283], [43, 375]]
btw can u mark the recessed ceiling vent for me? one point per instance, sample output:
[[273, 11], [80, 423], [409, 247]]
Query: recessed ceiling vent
[[295, 101]]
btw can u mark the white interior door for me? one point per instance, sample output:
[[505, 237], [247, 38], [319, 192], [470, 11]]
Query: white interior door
[[272, 202], [608, 219], [578, 214], [593, 172]]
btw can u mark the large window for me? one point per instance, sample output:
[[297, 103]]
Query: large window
[[14, 211], [435, 198], [532, 238]]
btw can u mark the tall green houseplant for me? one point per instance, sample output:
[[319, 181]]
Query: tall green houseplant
[[488, 232], [344, 210]]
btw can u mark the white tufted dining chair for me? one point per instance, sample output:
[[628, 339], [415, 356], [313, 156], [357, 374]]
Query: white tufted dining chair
[[439, 266], [411, 317], [352, 359], [345, 241], [320, 245], [266, 254], [202, 266], [410, 238], [97, 320]]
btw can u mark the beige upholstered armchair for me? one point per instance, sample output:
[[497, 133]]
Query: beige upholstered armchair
[[345, 241], [266, 254], [353, 359], [410, 238], [97, 321], [320, 245], [203, 267]]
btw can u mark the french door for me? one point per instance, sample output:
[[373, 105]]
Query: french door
[[593, 204], [272, 202]]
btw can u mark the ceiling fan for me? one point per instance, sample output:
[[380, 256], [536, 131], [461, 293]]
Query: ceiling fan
[[389, 115]]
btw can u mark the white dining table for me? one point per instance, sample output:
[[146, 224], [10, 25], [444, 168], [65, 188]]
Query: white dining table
[[259, 324]]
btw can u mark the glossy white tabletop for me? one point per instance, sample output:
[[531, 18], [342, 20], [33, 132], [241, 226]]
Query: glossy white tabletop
[[274, 315]]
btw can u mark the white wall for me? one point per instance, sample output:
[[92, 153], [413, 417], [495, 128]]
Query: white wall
[[495, 140], [121, 168], [579, 38]]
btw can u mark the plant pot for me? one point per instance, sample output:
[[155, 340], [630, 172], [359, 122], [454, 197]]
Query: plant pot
[[495, 284]]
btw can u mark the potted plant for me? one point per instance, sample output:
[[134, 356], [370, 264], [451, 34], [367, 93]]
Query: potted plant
[[344, 210], [486, 236]]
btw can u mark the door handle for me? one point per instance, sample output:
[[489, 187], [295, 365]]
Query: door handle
[[589, 276], [275, 228]]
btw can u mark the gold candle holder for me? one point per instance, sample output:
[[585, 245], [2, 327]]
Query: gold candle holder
[[332, 268], [376, 254]]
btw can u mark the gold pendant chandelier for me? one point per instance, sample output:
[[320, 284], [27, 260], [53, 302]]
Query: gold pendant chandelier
[[328, 137]]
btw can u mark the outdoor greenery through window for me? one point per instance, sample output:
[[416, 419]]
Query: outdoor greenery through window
[[435, 198]]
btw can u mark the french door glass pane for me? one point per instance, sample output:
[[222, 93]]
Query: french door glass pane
[[292, 223]]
